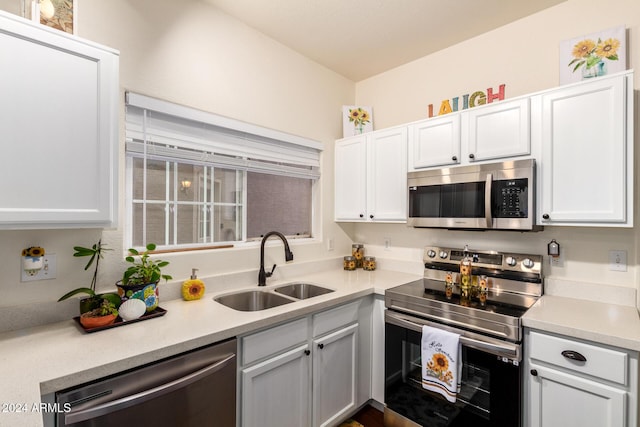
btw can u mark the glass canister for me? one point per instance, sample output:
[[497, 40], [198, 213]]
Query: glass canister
[[349, 263], [483, 290], [357, 250], [465, 279], [448, 285], [369, 263]]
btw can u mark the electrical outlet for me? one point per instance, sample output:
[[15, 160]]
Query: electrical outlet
[[618, 260], [48, 271], [557, 261], [330, 246], [387, 244]]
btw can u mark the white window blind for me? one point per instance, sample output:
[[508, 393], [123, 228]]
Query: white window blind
[[161, 130]]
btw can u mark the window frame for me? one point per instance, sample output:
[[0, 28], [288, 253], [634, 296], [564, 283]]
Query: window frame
[[248, 131]]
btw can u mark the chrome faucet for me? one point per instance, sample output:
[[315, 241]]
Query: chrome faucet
[[288, 256]]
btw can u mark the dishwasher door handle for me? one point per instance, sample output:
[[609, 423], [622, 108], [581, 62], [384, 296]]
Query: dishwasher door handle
[[146, 395]]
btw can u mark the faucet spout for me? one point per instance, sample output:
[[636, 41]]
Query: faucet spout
[[288, 256]]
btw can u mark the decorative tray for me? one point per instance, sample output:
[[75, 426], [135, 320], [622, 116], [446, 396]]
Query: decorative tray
[[119, 322]]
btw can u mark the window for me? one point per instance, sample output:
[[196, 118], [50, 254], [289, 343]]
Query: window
[[194, 178]]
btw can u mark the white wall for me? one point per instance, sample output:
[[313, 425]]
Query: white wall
[[524, 56], [189, 53]]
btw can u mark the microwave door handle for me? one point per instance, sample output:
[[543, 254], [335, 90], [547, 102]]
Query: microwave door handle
[[487, 200]]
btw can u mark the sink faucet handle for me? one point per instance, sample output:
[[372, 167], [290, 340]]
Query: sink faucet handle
[[270, 273]]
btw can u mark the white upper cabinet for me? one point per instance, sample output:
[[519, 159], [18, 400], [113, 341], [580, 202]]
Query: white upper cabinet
[[494, 131], [371, 177], [434, 142], [59, 124], [586, 168], [498, 130]]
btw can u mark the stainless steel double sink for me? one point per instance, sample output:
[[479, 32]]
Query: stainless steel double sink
[[256, 300]]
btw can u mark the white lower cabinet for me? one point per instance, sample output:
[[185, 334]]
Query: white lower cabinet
[[576, 383], [307, 372], [276, 391], [335, 368]]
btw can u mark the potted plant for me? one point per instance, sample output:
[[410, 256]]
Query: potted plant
[[141, 279], [94, 300], [105, 314]]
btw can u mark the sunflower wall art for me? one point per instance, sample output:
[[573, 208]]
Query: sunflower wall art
[[59, 14], [593, 55], [356, 120]]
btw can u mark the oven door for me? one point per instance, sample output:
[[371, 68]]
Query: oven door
[[490, 392]]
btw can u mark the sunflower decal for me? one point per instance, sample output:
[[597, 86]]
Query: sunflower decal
[[438, 367]]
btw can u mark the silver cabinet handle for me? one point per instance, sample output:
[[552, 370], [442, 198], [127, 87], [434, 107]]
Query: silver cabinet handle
[[146, 395]]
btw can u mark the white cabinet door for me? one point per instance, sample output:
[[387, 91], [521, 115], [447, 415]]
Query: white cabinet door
[[371, 177], [498, 130], [387, 175], [59, 121], [275, 393], [434, 142], [351, 179], [335, 368], [586, 168], [559, 399]]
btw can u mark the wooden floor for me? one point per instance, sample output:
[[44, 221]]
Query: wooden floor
[[369, 417]]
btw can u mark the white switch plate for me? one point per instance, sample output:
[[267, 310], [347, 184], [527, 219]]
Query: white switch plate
[[387, 244], [46, 272], [618, 260]]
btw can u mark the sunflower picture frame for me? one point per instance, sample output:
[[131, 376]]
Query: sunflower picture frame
[[356, 120], [593, 55], [59, 14]]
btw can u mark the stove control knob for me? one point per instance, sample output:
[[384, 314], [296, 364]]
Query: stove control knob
[[443, 255], [527, 262], [431, 253], [511, 261]]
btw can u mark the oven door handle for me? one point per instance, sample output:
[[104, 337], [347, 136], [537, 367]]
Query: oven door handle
[[487, 200], [503, 349]]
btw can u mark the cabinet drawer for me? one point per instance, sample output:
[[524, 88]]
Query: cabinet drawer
[[273, 340], [335, 318], [602, 362]]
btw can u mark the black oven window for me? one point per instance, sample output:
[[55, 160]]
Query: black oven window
[[489, 394]]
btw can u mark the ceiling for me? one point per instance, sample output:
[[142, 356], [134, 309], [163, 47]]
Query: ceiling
[[362, 38]]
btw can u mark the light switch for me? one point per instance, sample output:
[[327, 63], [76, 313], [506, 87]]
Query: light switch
[[618, 260]]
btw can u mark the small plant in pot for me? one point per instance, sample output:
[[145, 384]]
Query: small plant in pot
[[141, 279], [103, 315], [94, 300]]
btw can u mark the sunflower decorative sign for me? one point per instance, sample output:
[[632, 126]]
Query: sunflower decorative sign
[[356, 120], [593, 55]]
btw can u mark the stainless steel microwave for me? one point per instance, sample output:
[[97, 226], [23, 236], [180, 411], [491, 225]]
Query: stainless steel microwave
[[492, 196]]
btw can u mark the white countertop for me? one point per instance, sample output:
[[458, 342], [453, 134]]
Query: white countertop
[[612, 324], [40, 360]]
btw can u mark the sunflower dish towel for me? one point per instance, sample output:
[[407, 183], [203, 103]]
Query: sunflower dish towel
[[441, 364]]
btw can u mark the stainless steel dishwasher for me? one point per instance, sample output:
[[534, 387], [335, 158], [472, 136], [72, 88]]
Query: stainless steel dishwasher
[[197, 388]]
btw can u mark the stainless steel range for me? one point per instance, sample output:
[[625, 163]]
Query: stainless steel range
[[484, 305]]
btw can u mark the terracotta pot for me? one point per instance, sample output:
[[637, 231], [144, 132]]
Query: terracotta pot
[[94, 322]]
